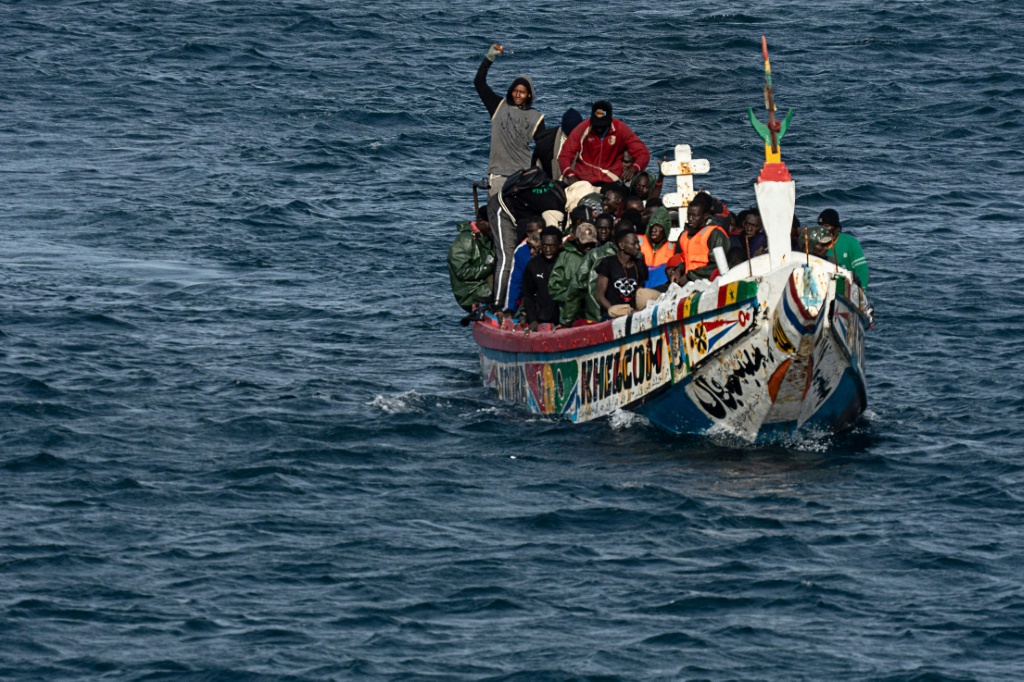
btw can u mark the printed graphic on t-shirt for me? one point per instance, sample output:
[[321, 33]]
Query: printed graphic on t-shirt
[[623, 281], [626, 286]]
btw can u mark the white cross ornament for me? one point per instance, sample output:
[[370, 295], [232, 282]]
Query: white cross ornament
[[683, 168]]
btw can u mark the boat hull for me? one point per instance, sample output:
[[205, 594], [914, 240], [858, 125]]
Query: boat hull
[[756, 357]]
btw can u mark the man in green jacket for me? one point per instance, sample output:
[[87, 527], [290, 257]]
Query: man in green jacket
[[845, 250], [584, 283], [471, 262], [560, 285]]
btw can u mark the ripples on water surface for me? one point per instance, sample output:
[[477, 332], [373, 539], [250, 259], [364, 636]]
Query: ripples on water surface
[[245, 438]]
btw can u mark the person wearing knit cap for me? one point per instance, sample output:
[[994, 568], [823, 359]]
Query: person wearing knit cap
[[844, 250], [830, 217], [514, 122], [596, 148], [676, 269], [548, 143]]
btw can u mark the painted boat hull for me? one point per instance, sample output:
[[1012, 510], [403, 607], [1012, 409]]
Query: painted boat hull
[[776, 351]]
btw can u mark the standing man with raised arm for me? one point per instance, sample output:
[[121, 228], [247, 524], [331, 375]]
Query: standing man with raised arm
[[514, 122]]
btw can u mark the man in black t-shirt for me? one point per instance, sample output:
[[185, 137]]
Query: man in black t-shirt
[[621, 276]]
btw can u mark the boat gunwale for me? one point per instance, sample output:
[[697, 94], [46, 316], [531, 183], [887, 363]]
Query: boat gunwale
[[512, 339]]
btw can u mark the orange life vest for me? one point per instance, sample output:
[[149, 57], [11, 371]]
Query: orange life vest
[[655, 257], [695, 249]]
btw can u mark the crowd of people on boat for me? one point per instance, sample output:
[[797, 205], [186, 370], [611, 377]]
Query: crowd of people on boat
[[574, 230]]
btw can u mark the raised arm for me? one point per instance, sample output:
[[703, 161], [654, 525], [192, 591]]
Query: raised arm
[[490, 99]]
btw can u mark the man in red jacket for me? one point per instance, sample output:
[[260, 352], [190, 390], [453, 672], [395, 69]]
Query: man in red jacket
[[594, 150]]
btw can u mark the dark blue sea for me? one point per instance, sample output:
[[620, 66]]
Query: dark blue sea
[[243, 436]]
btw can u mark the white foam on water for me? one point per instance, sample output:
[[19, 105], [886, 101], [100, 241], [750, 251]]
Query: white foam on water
[[808, 441], [403, 403], [804, 440], [720, 434], [621, 419]]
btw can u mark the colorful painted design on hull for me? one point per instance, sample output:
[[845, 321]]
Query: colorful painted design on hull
[[724, 356], [581, 384], [590, 372]]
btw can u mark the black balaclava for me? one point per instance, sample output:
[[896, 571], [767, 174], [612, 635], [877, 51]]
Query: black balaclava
[[601, 116]]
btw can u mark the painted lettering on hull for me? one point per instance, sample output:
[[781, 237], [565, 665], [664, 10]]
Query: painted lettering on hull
[[718, 398], [511, 383], [544, 387], [782, 341], [623, 375], [589, 386], [551, 384], [612, 373]]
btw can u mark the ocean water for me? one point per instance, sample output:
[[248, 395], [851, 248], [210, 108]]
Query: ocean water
[[243, 436]]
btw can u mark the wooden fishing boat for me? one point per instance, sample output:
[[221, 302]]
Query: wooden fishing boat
[[771, 346]]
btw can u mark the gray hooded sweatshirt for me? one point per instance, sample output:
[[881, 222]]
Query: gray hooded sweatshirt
[[512, 130]]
